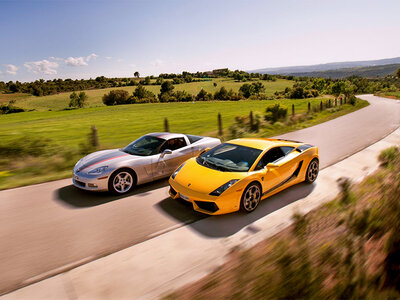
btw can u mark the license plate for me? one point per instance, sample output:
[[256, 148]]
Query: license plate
[[186, 198]]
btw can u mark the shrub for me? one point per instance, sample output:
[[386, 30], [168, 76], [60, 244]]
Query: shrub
[[203, 96], [183, 96], [77, 101], [387, 156], [10, 109], [116, 97], [275, 113], [141, 95]]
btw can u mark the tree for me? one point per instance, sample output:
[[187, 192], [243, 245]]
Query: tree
[[275, 113], [203, 96], [136, 74], [167, 87], [116, 97], [77, 100], [141, 95], [247, 90], [398, 73], [222, 94]]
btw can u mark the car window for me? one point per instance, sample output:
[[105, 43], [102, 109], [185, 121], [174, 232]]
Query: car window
[[144, 146], [173, 144], [287, 149], [269, 157]]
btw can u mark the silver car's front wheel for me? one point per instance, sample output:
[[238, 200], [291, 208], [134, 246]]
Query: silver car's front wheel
[[121, 182]]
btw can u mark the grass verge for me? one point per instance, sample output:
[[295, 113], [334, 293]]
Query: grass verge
[[346, 249]]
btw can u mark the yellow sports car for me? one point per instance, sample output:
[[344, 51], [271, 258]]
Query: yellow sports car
[[240, 173]]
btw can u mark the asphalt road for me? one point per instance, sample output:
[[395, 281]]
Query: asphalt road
[[49, 228]]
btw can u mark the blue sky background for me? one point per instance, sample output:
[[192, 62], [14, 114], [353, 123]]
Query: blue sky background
[[83, 39]]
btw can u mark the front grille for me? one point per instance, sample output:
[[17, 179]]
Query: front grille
[[80, 183], [172, 191], [209, 206]]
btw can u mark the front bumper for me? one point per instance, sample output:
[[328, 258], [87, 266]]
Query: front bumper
[[90, 183], [204, 203]]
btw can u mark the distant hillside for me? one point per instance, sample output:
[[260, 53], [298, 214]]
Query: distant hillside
[[328, 66], [369, 72]]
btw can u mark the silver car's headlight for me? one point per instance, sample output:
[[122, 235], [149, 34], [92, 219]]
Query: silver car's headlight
[[98, 170], [223, 187], [177, 170]]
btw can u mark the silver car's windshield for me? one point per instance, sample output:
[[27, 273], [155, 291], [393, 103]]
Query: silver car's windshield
[[144, 146], [229, 157]]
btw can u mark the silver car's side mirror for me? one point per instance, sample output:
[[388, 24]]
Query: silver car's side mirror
[[165, 152]]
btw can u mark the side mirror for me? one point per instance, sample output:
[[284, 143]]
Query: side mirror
[[204, 151], [271, 165], [165, 152]]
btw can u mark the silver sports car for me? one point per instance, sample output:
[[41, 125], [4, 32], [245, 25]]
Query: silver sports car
[[151, 157]]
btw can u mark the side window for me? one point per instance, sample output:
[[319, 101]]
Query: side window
[[286, 149], [173, 144], [269, 157]]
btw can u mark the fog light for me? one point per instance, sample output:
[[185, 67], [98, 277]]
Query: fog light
[[92, 185]]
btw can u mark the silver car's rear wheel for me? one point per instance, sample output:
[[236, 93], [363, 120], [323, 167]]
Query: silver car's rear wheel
[[251, 197], [121, 182], [312, 171]]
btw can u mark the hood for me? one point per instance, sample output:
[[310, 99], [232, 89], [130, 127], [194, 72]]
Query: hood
[[97, 158], [203, 179]]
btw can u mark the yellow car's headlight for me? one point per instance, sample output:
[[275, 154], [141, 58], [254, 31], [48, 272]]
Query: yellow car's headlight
[[177, 170], [223, 187]]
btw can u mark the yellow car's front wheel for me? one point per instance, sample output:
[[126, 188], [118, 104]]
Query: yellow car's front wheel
[[251, 197]]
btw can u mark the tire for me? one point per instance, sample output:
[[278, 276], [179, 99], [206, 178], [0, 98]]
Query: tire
[[251, 197], [312, 171], [122, 181]]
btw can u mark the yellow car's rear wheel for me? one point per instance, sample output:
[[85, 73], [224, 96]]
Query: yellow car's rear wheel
[[251, 197], [312, 171]]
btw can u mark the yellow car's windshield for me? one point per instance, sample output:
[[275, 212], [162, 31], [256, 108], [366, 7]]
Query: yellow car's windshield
[[229, 157]]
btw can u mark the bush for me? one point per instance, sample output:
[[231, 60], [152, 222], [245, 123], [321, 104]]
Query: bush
[[183, 96], [387, 156], [275, 113], [77, 101], [141, 95], [116, 97], [10, 109], [203, 96]]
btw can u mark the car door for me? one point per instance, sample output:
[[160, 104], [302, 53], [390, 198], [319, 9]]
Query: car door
[[168, 162], [277, 175]]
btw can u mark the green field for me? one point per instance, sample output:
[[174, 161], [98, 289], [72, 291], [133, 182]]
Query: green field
[[118, 125], [61, 101]]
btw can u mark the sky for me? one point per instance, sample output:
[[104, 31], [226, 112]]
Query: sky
[[88, 38]]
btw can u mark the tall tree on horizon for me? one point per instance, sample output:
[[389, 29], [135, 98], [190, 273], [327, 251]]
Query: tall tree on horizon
[[136, 74]]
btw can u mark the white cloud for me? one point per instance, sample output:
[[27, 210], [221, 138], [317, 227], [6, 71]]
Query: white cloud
[[120, 60], [94, 56], [132, 65], [42, 66], [11, 69], [76, 61], [80, 61], [108, 57]]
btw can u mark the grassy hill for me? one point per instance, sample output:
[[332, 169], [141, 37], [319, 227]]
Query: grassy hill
[[328, 66], [61, 101], [369, 72]]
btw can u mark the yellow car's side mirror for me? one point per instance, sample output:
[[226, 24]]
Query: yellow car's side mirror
[[204, 151], [272, 165]]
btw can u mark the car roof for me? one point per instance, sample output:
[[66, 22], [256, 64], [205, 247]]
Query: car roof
[[166, 135], [263, 144]]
